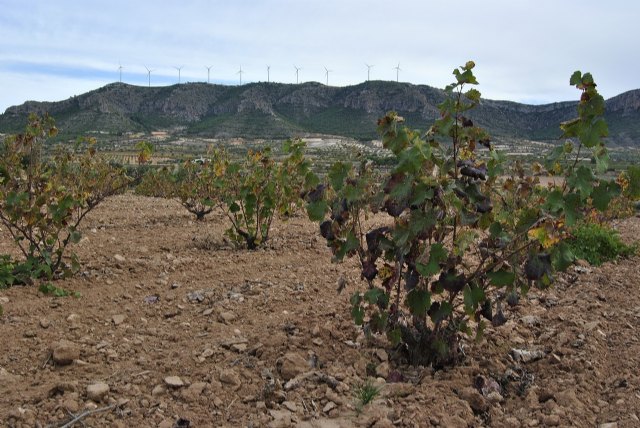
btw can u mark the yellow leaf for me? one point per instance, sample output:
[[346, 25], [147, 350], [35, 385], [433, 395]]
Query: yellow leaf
[[545, 235]]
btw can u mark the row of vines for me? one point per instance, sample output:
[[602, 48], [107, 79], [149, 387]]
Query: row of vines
[[444, 237]]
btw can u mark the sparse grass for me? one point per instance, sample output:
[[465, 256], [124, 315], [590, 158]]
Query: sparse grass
[[365, 393]]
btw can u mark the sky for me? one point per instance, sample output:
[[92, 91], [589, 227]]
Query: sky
[[524, 50]]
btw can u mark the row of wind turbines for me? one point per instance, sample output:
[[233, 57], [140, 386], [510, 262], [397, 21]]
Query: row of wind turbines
[[240, 71]]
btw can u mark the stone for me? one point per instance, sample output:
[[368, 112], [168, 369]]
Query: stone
[[6, 377], [119, 258], [530, 320], [118, 319], [45, 323], [290, 405], [281, 418], [206, 353], [495, 397], [582, 262], [551, 421], [382, 355], [330, 395], [174, 381], [64, 352], [97, 391], [229, 377], [227, 317], [291, 365], [194, 391], [526, 356], [158, 390], [71, 405], [329, 407], [608, 425], [476, 401], [569, 399], [167, 423], [239, 347], [382, 370]]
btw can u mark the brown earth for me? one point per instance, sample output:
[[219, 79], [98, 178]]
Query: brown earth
[[176, 328]]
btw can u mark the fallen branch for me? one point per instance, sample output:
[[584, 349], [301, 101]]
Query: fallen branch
[[85, 414]]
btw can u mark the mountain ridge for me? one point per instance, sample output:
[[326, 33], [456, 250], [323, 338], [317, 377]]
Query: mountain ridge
[[278, 110]]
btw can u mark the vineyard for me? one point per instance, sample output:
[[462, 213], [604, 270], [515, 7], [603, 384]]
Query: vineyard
[[433, 281]]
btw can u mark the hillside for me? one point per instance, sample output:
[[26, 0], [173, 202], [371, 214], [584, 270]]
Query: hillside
[[276, 110]]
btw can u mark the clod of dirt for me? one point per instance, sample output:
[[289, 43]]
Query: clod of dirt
[[64, 352], [476, 401], [227, 317], [229, 377], [382, 370], [97, 391], [158, 390], [194, 391], [291, 365], [118, 319]]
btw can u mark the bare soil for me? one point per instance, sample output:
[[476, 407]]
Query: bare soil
[[175, 327]]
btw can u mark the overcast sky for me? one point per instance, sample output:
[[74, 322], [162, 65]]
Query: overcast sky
[[524, 50]]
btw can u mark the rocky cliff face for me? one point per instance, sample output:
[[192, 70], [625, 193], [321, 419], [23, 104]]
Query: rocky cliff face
[[628, 103], [310, 107]]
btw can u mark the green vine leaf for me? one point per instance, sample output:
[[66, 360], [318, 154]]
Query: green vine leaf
[[418, 301], [501, 278]]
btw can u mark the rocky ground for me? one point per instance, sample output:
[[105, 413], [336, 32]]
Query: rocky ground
[[176, 328]]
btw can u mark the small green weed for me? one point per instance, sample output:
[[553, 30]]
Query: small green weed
[[597, 244], [52, 290], [365, 393]]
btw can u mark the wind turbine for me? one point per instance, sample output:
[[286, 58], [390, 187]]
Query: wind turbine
[[297, 70], [120, 70], [240, 73], [268, 68], [149, 74], [326, 72], [398, 69], [179, 69], [208, 71], [368, 69]]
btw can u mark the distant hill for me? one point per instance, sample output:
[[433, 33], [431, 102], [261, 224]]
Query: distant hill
[[276, 110]]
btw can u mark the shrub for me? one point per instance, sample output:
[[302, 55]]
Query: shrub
[[145, 150], [597, 244], [252, 192], [44, 199], [192, 183], [457, 235]]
